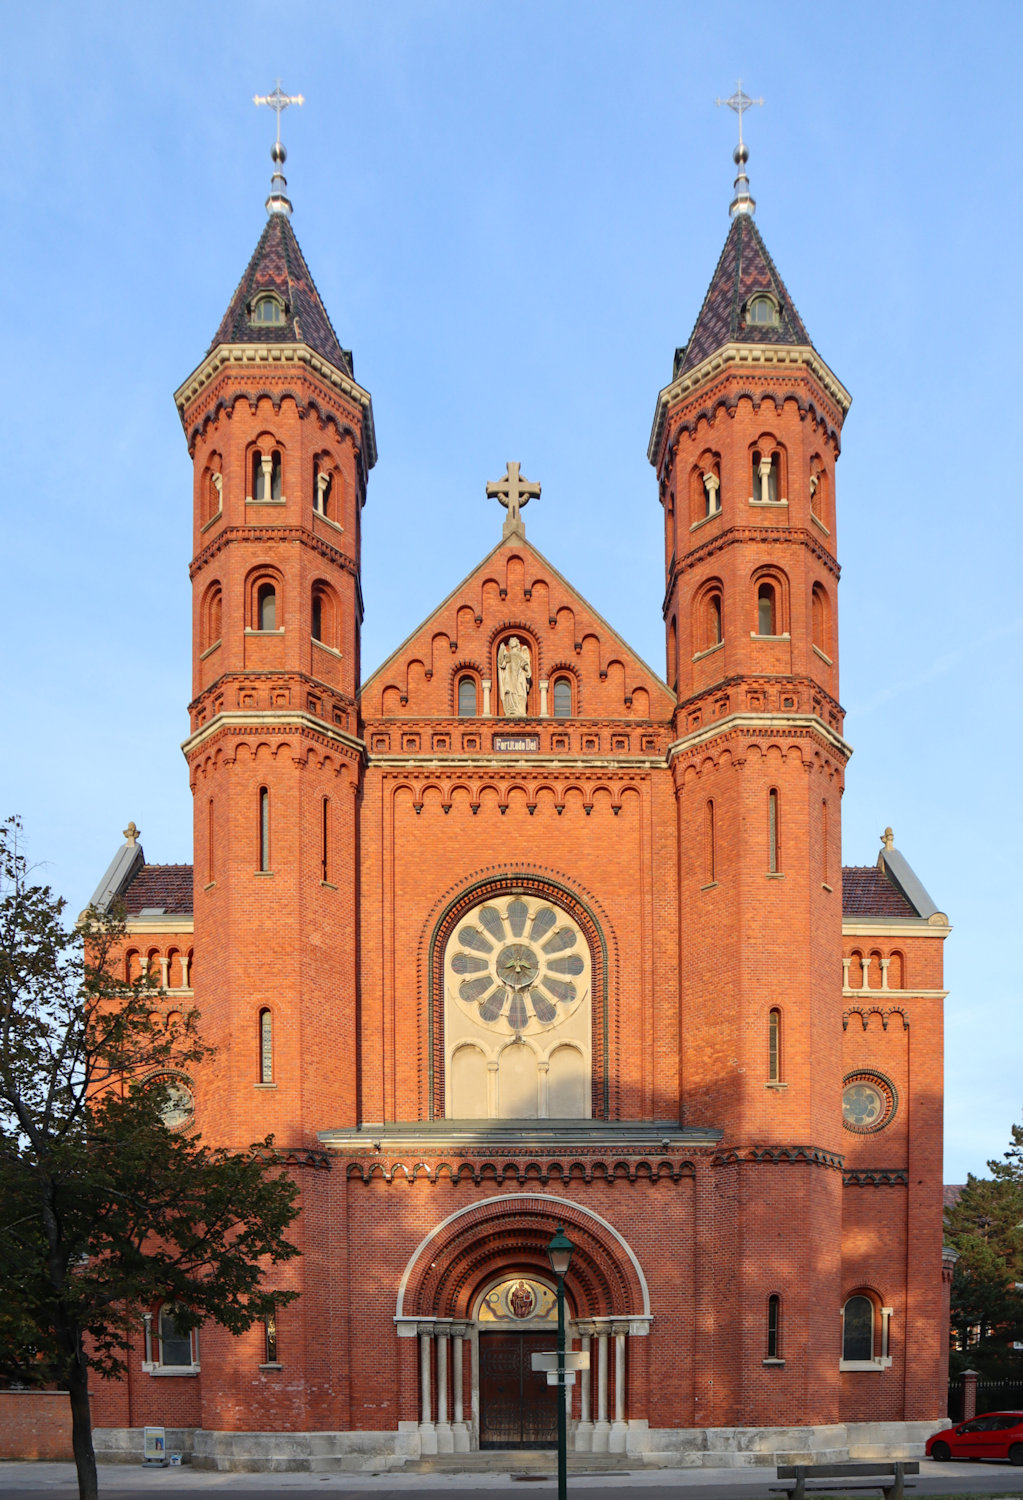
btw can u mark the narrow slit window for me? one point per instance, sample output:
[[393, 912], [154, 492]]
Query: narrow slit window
[[711, 844], [266, 607], [259, 477], [773, 1325], [317, 617], [714, 620], [562, 698], [774, 1046], [773, 859], [210, 864], [325, 840], [321, 490], [767, 610], [266, 1046], [276, 479], [264, 828], [270, 1329], [825, 866], [466, 698]]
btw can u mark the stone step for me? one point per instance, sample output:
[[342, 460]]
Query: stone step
[[524, 1461]]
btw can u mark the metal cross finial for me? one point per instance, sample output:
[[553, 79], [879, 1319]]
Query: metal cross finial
[[278, 102], [740, 102], [513, 492]]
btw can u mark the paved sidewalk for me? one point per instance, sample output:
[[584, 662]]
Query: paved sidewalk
[[123, 1480]]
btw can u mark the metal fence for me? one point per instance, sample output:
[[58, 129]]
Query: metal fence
[[992, 1395]]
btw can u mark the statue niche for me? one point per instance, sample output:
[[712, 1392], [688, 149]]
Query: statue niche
[[514, 675]]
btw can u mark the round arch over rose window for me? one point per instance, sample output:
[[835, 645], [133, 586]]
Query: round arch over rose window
[[517, 1012]]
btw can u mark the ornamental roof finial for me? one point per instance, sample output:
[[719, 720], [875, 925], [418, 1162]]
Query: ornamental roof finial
[[278, 201], [743, 202]]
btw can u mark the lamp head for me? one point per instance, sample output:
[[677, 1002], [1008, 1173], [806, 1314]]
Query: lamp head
[[560, 1251]]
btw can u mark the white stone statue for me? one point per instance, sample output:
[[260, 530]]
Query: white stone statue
[[514, 674]]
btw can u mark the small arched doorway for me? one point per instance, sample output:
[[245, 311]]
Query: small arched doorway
[[517, 1317]]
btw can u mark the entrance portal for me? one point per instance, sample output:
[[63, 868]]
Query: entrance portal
[[518, 1409]]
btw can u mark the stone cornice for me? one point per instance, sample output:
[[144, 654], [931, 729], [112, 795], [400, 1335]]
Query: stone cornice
[[766, 359], [897, 927], [236, 723], [170, 925], [487, 763], [758, 726], [274, 358]]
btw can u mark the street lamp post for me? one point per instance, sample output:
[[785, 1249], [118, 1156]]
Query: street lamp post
[[560, 1252]]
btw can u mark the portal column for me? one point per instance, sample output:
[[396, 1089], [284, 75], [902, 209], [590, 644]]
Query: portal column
[[602, 1427], [584, 1429], [445, 1438], [427, 1430], [460, 1427], [619, 1430]]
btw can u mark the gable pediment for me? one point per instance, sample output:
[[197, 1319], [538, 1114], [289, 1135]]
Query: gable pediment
[[516, 592]]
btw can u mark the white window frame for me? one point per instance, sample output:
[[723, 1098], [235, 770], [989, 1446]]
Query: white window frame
[[880, 1361], [154, 1345]]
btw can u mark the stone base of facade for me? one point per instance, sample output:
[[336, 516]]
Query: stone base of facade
[[653, 1447]]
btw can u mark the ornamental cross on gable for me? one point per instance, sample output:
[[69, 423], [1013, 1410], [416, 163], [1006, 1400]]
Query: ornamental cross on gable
[[514, 492]]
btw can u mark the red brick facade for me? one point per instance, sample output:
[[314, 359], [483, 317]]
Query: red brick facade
[[685, 832]]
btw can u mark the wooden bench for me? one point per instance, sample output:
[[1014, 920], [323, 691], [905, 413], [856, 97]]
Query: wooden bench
[[890, 1479]]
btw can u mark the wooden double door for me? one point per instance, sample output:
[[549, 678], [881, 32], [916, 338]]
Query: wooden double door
[[518, 1409]]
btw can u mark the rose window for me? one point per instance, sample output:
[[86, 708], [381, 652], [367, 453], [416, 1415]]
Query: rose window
[[869, 1101], [518, 965]]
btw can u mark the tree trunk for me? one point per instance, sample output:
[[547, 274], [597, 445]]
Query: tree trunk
[[81, 1429]]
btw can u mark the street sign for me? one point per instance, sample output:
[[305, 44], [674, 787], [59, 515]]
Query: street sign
[[574, 1359], [554, 1377]]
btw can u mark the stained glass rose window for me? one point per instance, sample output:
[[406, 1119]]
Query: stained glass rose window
[[518, 964], [869, 1101]]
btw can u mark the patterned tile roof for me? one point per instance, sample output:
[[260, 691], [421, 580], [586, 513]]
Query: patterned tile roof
[[868, 892], [744, 268], [169, 886], [950, 1194], [278, 265]]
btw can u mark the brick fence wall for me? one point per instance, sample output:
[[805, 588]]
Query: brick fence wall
[[35, 1424]]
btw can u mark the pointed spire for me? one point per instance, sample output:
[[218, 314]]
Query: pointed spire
[[743, 202]]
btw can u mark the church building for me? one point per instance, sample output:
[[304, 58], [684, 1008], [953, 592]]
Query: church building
[[513, 932]]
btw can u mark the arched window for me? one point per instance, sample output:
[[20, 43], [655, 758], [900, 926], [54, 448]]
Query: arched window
[[266, 607], [714, 633], [467, 697], [178, 1346], [317, 617], [264, 828], [267, 311], [819, 490], [212, 621], [673, 654], [212, 489], [858, 1329], [266, 475], [774, 1046], [773, 834], [322, 488], [765, 477], [562, 698], [711, 836], [767, 608], [266, 1047], [774, 1326], [762, 309], [325, 840]]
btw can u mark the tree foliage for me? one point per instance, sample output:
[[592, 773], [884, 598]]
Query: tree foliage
[[106, 1209], [986, 1228]]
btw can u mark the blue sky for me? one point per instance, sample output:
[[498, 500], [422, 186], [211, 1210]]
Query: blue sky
[[512, 212]]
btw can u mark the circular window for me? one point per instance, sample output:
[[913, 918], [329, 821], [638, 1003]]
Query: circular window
[[869, 1101], [518, 965], [178, 1102]]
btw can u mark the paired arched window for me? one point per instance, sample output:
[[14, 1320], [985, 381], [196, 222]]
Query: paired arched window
[[766, 476], [467, 699], [858, 1318], [267, 478], [767, 608], [266, 606], [562, 698], [266, 1046], [774, 1046]]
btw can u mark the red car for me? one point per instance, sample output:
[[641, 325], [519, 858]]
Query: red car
[[997, 1434]]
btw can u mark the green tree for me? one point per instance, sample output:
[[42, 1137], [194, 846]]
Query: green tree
[[986, 1228], [105, 1208]]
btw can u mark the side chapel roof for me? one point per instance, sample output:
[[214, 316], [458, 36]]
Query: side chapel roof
[[745, 267], [278, 265]]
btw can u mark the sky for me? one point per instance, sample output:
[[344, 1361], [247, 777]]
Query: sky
[[512, 212]]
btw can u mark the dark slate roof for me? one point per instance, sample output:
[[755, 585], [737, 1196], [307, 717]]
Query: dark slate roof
[[868, 892], [278, 265], [167, 886], [950, 1193], [744, 268]]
